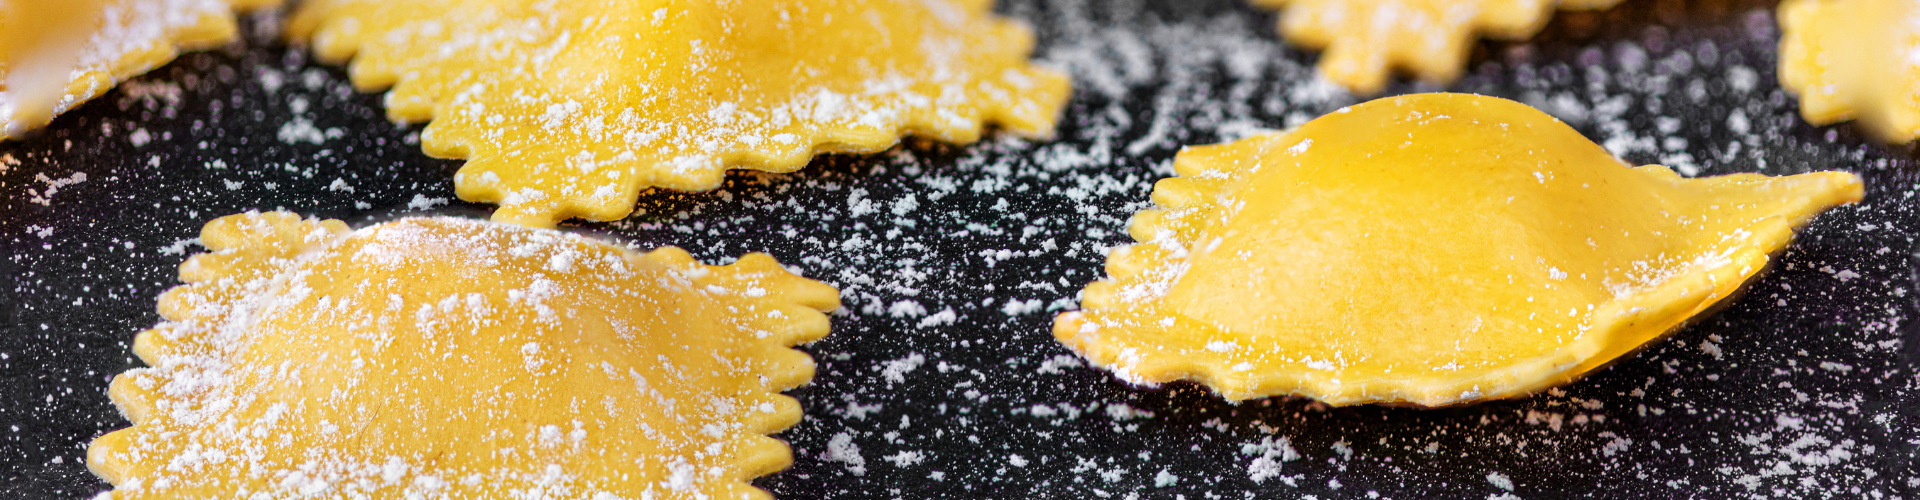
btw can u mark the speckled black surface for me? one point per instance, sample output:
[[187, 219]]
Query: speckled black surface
[[1811, 392]]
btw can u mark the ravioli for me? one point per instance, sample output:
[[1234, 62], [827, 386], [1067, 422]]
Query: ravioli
[[1361, 40], [55, 55], [570, 109], [449, 358], [1429, 250], [1849, 59]]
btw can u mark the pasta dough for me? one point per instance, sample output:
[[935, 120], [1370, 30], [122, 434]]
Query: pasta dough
[[1851, 59], [1429, 249], [569, 109], [55, 55], [448, 358], [1361, 39]]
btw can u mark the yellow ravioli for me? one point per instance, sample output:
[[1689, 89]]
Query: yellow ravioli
[[1361, 40], [1428, 249], [569, 109], [1854, 59], [55, 55], [449, 358]]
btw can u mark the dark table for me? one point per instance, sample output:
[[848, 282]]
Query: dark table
[[941, 379]]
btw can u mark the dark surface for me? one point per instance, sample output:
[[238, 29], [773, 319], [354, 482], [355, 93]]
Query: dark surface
[[1803, 388]]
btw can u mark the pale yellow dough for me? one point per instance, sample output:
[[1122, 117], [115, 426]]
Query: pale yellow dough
[[1361, 40], [570, 109], [1850, 59], [1429, 249], [450, 358], [115, 40]]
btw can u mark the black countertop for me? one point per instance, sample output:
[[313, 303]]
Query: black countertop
[[941, 379]]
